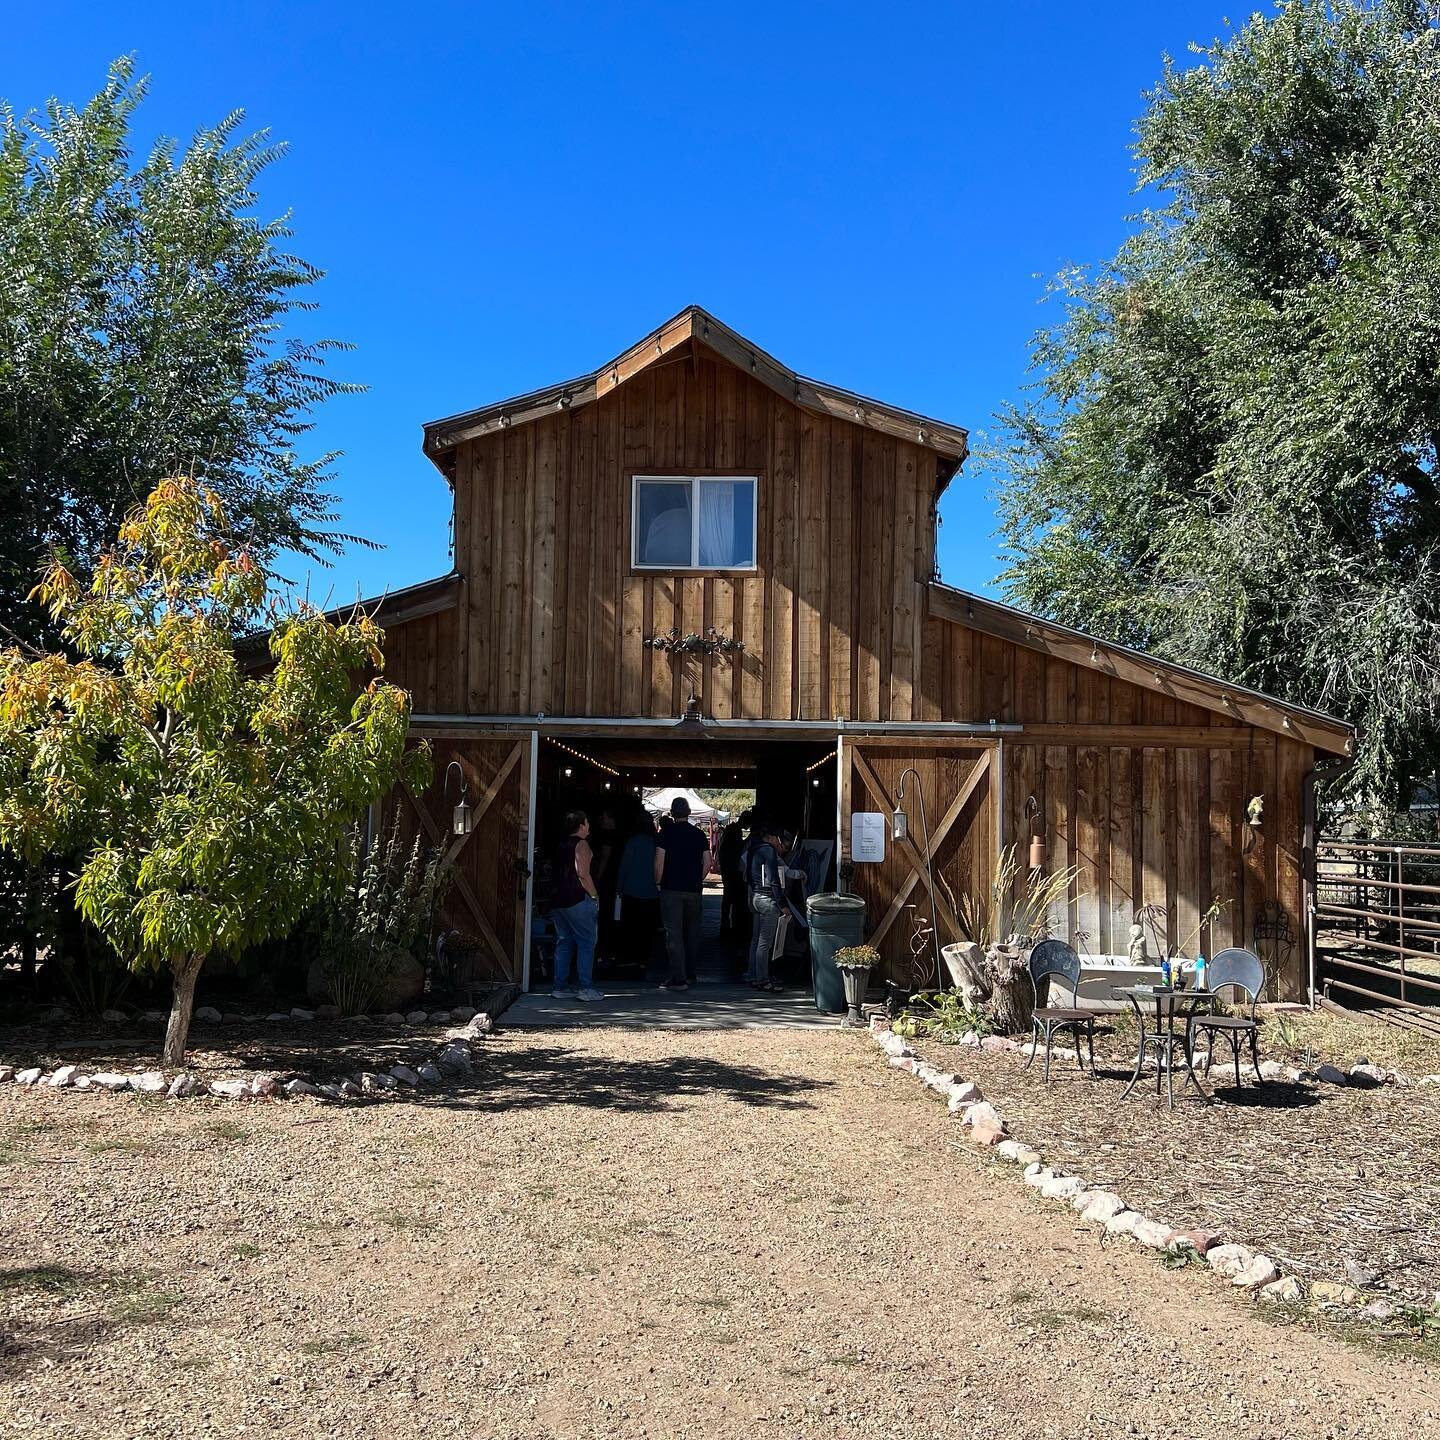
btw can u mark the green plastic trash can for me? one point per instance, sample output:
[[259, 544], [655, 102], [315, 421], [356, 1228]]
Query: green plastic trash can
[[835, 921]]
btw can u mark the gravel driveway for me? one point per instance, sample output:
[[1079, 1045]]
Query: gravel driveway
[[611, 1233]]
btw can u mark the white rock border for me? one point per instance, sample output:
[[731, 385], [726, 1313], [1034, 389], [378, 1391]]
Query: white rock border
[[298, 1014], [452, 1058], [1246, 1269]]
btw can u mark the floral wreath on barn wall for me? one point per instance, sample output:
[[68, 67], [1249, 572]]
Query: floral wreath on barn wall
[[708, 642]]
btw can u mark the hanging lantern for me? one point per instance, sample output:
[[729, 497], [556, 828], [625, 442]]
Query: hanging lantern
[[899, 825], [462, 819]]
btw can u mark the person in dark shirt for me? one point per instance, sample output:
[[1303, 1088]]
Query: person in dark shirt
[[575, 907], [638, 892], [767, 878], [605, 841], [734, 904], [682, 856]]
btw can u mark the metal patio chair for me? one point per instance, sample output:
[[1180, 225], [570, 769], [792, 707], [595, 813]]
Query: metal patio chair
[[1051, 960], [1243, 973]]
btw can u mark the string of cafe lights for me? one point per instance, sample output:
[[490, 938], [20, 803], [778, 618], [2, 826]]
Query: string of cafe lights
[[580, 755], [821, 763]]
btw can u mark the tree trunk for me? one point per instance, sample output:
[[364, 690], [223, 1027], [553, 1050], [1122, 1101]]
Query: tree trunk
[[966, 963], [1012, 997], [186, 970], [30, 945]]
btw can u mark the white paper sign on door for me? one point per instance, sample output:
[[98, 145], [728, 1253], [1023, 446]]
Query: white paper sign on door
[[867, 836]]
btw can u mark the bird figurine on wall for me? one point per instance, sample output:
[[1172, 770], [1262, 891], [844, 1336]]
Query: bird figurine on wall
[[1254, 814]]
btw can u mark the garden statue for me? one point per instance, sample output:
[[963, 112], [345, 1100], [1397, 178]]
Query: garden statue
[[1137, 945]]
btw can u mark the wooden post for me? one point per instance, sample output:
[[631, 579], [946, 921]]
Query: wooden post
[[532, 771]]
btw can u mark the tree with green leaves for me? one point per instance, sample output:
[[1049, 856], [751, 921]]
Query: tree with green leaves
[[144, 314], [208, 805], [1231, 455], [732, 801]]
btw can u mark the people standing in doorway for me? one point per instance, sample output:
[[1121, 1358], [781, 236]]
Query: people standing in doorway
[[606, 841], [735, 901], [638, 893], [575, 909], [765, 874], [682, 856]]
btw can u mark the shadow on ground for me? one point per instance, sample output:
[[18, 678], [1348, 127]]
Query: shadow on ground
[[1264, 1095], [532, 1076], [545, 1075]]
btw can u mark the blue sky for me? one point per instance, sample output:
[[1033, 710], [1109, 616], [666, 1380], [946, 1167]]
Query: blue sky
[[504, 196]]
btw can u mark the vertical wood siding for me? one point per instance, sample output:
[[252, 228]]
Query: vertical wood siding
[[556, 621], [1165, 825]]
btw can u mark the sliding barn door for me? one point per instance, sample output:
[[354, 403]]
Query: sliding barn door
[[957, 783], [488, 867]]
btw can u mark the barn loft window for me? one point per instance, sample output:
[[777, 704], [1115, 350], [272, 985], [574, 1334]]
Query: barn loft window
[[693, 522]]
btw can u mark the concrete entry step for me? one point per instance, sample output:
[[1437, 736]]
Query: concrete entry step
[[707, 1005]]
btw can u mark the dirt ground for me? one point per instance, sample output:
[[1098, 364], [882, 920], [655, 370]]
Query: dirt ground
[[613, 1233]]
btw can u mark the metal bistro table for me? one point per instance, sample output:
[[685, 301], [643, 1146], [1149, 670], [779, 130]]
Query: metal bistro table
[[1171, 1005]]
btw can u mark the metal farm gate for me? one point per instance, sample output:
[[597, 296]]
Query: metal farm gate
[[1377, 927]]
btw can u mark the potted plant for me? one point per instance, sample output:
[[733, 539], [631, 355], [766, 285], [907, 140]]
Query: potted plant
[[855, 963]]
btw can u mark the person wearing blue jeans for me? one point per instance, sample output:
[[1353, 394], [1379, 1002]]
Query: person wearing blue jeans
[[766, 876], [575, 909]]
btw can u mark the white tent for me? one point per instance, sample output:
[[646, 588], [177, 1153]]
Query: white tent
[[657, 802]]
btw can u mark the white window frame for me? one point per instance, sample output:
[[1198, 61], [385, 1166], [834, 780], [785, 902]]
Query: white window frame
[[694, 482]]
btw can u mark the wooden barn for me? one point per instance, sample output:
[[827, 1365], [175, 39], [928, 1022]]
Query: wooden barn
[[695, 566]]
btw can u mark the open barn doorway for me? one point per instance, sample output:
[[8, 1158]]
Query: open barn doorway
[[625, 785]]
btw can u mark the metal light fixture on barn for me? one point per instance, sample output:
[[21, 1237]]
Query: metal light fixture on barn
[[462, 819], [1037, 833], [691, 720]]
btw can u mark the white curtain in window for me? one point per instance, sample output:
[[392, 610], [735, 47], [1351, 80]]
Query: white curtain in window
[[717, 522]]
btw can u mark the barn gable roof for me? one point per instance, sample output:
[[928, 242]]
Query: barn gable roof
[[697, 327], [1239, 702], [394, 607]]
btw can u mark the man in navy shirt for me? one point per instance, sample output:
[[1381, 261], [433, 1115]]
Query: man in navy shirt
[[682, 856]]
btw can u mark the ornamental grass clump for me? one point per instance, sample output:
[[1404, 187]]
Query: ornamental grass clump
[[1002, 923], [206, 805], [386, 910], [1017, 905]]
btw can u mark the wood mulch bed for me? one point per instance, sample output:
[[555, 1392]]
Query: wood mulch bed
[[1313, 1175]]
